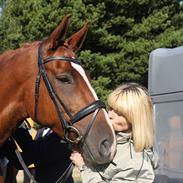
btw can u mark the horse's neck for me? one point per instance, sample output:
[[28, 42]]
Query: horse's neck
[[12, 81], [1, 179]]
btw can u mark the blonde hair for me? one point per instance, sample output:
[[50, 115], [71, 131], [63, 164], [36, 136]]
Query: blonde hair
[[133, 102]]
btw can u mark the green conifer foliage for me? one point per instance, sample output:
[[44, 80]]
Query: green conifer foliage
[[121, 36]]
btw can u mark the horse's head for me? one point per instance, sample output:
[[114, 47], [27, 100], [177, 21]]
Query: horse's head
[[64, 98]]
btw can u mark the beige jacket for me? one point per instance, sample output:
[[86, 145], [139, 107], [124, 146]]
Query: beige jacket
[[127, 166]]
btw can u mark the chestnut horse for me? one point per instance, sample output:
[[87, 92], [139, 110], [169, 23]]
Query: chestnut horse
[[45, 81]]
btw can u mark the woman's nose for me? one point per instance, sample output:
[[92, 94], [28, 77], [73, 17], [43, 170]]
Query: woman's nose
[[110, 114]]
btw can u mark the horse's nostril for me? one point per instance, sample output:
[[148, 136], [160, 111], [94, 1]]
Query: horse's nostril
[[105, 148]]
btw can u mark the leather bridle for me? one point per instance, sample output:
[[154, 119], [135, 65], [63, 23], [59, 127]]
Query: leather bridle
[[67, 126]]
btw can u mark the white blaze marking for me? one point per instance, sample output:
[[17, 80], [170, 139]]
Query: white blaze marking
[[83, 75]]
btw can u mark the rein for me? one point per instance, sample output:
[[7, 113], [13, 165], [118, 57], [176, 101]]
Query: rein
[[67, 126], [61, 179]]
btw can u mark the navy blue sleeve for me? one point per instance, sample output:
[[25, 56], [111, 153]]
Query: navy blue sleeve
[[8, 151], [43, 150], [51, 149]]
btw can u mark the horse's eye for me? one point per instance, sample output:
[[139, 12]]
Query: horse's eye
[[65, 79]]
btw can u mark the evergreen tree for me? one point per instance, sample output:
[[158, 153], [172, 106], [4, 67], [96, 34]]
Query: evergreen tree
[[121, 36]]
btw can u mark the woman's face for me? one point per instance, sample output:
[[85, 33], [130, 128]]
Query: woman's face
[[119, 122]]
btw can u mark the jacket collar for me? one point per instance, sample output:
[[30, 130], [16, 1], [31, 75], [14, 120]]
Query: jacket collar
[[123, 137]]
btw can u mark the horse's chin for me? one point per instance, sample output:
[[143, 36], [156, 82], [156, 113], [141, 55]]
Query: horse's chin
[[93, 157]]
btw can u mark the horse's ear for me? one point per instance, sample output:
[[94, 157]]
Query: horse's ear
[[57, 36], [76, 40]]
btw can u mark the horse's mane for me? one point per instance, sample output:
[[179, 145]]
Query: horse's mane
[[28, 44], [10, 53]]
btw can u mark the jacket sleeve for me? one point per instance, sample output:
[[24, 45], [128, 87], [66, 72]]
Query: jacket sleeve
[[23, 138], [135, 171], [27, 144], [43, 150], [133, 174], [89, 176], [8, 150], [50, 149]]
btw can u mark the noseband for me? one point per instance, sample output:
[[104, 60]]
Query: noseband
[[67, 126]]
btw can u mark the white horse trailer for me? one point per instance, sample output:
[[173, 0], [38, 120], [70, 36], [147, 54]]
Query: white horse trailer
[[165, 84]]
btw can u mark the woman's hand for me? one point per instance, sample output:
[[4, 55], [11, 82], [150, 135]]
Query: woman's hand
[[77, 159]]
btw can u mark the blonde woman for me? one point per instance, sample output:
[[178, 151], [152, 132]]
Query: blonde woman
[[131, 114]]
